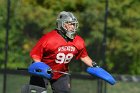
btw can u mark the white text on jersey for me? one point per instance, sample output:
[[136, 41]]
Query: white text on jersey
[[66, 48]]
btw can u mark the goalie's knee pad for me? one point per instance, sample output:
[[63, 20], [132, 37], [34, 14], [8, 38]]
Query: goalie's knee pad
[[32, 89]]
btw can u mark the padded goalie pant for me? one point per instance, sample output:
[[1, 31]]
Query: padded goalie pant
[[62, 85], [32, 89]]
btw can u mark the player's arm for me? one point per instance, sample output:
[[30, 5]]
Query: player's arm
[[36, 60], [88, 61], [37, 51]]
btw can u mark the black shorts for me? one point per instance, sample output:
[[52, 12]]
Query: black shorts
[[62, 85]]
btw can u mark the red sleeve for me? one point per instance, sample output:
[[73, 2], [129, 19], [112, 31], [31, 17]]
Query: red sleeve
[[82, 52], [37, 51]]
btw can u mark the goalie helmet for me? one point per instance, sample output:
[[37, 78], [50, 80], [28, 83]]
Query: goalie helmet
[[67, 17]]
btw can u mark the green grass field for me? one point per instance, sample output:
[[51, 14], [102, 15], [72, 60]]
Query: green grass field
[[15, 82]]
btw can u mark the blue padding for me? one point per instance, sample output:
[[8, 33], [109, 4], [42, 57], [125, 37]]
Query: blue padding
[[101, 73], [40, 69]]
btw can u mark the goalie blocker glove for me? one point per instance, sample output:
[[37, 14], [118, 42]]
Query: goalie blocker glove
[[99, 72], [40, 69]]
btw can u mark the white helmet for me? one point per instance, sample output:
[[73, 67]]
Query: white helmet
[[67, 17]]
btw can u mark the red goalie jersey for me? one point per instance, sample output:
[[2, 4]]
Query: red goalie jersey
[[56, 52]]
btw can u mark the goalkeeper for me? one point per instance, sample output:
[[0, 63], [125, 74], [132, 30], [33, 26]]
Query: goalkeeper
[[56, 49]]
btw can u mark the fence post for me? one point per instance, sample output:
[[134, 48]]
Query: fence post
[[6, 45], [104, 43]]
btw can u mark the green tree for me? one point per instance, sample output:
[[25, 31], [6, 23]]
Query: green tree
[[30, 19], [124, 37]]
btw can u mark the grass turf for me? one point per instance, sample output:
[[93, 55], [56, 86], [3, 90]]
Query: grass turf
[[15, 82]]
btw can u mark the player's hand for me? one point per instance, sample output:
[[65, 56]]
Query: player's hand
[[94, 64], [40, 69]]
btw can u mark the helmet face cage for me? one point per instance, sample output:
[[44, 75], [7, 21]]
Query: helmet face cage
[[67, 17]]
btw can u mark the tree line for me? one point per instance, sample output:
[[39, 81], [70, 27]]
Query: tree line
[[30, 19]]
